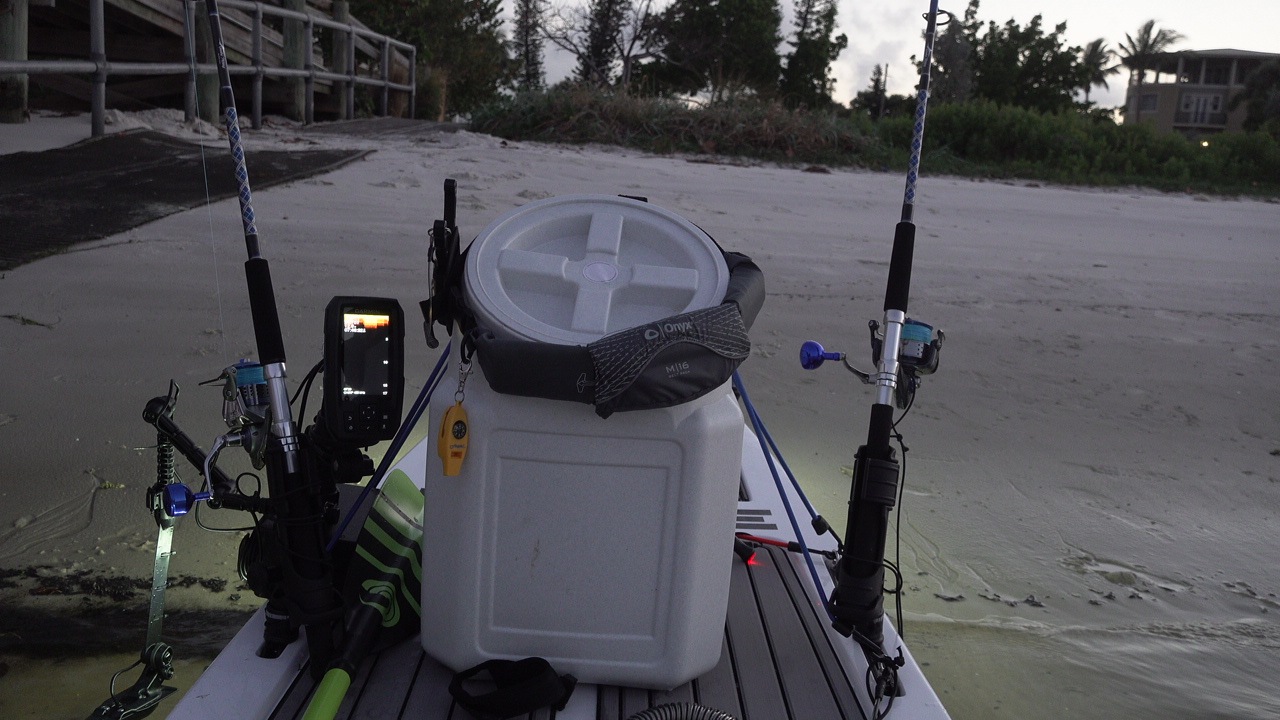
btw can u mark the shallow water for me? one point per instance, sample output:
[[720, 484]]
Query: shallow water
[[988, 672]]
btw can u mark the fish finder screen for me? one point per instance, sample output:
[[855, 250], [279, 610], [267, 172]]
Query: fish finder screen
[[366, 354], [364, 368]]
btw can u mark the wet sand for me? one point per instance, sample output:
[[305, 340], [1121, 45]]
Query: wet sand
[[1092, 476]]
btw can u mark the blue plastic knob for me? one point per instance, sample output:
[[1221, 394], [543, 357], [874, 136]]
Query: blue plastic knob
[[812, 355], [178, 499]]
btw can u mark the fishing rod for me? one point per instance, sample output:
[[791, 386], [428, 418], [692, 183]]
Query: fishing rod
[[286, 558], [306, 597], [902, 349]]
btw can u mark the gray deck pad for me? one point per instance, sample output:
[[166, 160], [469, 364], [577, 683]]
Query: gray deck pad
[[777, 663], [52, 200]]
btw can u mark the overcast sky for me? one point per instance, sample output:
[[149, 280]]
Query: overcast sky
[[888, 32]]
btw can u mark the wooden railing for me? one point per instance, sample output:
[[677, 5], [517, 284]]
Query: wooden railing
[[254, 49]]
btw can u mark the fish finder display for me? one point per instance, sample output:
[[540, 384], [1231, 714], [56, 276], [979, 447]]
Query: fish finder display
[[366, 353], [364, 368]]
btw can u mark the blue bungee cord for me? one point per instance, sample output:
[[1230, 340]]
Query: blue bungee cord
[[762, 436], [813, 513]]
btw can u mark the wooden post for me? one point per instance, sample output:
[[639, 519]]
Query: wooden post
[[206, 83], [189, 54], [309, 113], [98, 54], [386, 75], [296, 49], [339, 62], [13, 46], [256, 58]]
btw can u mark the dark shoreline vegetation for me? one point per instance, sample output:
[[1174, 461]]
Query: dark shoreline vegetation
[[978, 140]]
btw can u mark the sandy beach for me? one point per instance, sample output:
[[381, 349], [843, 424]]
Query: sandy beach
[[1093, 474]]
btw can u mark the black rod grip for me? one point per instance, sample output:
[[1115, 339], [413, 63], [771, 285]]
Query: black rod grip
[[879, 431], [266, 319], [899, 289], [450, 202]]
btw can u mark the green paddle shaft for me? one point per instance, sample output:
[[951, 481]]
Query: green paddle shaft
[[329, 694], [384, 583]]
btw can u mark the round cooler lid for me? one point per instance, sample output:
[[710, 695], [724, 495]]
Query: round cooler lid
[[569, 270]]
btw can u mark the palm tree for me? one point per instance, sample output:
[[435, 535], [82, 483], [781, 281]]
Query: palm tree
[[1261, 97], [1136, 53], [1096, 59]]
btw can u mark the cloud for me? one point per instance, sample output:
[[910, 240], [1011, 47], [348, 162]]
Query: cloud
[[879, 34]]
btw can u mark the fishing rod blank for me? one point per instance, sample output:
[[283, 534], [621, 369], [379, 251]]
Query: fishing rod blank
[[299, 533], [858, 601]]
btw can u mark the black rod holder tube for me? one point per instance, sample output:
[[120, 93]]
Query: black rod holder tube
[[858, 602], [308, 590]]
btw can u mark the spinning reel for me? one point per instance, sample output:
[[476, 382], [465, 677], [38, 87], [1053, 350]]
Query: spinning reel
[[919, 347]]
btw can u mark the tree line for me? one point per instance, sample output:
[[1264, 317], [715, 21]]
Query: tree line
[[1026, 66], [717, 51], [1034, 68]]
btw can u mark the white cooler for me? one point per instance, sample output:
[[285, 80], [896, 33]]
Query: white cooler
[[602, 545]]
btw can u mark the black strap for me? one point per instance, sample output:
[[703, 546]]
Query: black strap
[[518, 687], [578, 373], [669, 362]]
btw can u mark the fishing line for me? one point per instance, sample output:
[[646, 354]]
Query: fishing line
[[115, 677], [213, 246], [208, 212]]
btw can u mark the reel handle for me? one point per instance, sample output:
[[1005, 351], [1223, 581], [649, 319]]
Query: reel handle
[[178, 499], [812, 355]]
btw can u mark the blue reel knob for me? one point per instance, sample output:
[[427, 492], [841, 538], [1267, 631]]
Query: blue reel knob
[[812, 355], [178, 499]]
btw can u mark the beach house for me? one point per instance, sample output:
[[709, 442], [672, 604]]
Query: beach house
[[1191, 90]]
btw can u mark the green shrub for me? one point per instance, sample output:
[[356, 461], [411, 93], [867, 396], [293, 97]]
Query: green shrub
[[752, 129], [976, 139]]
